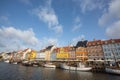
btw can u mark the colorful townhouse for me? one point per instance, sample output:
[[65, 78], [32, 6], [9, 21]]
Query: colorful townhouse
[[81, 51], [111, 49], [32, 55], [26, 54], [63, 53], [48, 51], [95, 50], [71, 53]]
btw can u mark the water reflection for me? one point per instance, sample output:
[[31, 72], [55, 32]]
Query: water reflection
[[19, 72]]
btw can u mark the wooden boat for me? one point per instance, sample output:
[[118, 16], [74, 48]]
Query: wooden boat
[[113, 71], [49, 65], [79, 68]]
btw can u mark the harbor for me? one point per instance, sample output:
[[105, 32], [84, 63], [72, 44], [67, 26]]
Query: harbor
[[72, 58], [19, 72]]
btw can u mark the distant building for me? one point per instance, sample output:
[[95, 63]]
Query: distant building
[[95, 50], [111, 49], [81, 50]]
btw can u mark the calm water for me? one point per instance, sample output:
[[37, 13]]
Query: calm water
[[19, 72]]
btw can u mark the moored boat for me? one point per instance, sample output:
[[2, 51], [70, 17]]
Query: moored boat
[[6, 61], [78, 68], [49, 65], [113, 71], [14, 62]]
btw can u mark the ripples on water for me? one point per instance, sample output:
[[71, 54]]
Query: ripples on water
[[19, 72]]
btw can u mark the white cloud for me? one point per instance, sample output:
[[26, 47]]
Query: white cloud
[[47, 14], [77, 24], [76, 39], [113, 13], [111, 19], [12, 38], [114, 30], [89, 5]]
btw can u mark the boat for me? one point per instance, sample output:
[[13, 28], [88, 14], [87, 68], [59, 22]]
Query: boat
[[35, 64], [81, 67], [14, 62], [6, 61], [113, 71], [26, 63], [49, 65]]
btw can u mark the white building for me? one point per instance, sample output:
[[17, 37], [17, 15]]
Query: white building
[[111, 49]]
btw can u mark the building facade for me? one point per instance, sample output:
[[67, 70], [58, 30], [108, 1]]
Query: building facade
[[62, 53], [81, 51], [95, 50], [111, 49]]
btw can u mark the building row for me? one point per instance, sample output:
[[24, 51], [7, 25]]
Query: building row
[[96, 50]]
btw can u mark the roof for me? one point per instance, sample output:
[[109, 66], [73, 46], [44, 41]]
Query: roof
[[95, 42], [111, 41], [49, 47], [82, 44]]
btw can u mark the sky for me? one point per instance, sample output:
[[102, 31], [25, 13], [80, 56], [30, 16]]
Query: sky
[[37, 24]]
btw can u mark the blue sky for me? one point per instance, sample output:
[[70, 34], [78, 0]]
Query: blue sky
[[39, 23]]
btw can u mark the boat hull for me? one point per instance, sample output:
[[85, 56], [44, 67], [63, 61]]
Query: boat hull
[[49, 66], [63, 66], [113, 71], [7, 61]]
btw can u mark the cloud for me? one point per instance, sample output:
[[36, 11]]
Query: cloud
[[12, 38], [76, 39], [114, 30], [111, 19], [77, 24], [89, 5], [47, 14], [112, 13]]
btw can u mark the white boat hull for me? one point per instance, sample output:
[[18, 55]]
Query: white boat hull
[[114, 71], [64, 66], [7, 61], [49, 66], [14, 62]]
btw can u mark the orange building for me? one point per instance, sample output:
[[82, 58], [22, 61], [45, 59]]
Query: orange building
[[81, 51]]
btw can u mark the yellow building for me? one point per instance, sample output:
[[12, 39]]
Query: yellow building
[[62, 53], [32, 54]]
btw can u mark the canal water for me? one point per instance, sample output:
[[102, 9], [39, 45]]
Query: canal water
[[19, 72]]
